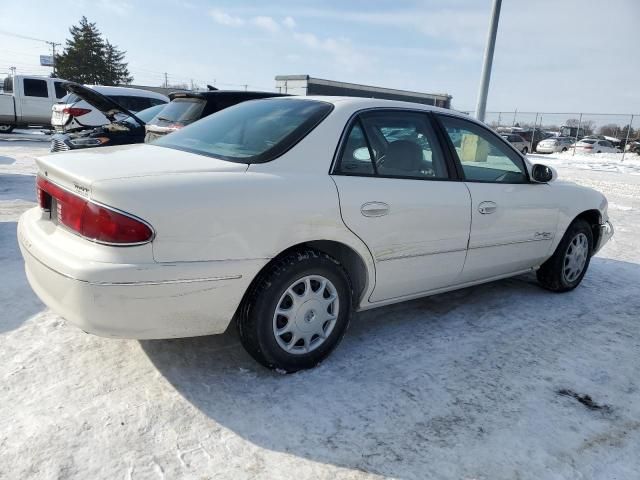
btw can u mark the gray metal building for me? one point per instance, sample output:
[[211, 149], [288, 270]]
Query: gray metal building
[[306, 85]]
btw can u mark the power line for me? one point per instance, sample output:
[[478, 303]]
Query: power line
[[25, 37]]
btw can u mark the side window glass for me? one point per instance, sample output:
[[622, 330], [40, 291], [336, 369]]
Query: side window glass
[[60, 91], [355, 159], [404, 145], [35, 88], [482, 155]]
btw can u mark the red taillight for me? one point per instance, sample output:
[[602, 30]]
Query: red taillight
[[93, 221], [588, 148], [76, 111]]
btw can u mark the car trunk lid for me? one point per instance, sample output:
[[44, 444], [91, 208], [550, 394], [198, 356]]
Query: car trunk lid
[[78, 170]]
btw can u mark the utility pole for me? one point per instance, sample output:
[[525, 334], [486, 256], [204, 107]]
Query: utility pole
[[13, 71], [481, 107], [166, 80], [53, 52]]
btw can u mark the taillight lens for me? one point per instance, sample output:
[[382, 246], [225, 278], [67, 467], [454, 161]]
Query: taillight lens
[[95, 222], [76, 111]]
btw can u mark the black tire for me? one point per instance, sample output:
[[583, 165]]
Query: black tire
[[4, 128], [564, 149], [599, 151], [256, 315], [551, 274], [525, 150]]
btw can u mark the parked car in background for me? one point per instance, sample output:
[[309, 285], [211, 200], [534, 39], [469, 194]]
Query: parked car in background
[[286, 214], [27, 101], [517, 141], [74, 113], [591, 145], [187, 107], [554, 144], [124, 131]]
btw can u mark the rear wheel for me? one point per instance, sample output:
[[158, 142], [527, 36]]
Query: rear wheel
[[297, 312], [564, 149], [566, 268], [525, 150], [4, 128]]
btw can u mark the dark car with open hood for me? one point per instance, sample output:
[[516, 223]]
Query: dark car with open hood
[[125, 127]]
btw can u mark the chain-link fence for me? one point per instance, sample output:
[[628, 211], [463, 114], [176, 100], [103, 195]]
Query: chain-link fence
[[621, 130]]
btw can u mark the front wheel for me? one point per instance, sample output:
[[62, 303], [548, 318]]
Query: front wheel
[[296, 313], [525, 150], [4, 128], [566, 268], [564, 149]]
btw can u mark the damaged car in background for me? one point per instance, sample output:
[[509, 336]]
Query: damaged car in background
[[125, 127]]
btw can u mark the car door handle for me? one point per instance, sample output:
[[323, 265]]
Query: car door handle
[[374, 209], [487, 207]]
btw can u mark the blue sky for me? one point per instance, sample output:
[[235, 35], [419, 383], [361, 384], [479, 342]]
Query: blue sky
[[563, 55]]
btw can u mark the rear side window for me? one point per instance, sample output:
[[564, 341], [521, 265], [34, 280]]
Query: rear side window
[[356, 158], [60, 91], [252, 132], [35, 88], [393, 144]]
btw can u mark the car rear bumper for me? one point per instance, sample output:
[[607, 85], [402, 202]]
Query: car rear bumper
[[143, 301], [606, 232]]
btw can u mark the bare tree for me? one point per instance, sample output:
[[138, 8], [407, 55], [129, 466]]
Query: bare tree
[[610, 130]]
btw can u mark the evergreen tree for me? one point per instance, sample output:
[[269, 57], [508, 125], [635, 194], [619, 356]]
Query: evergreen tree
[[87, 58], [117, 73]]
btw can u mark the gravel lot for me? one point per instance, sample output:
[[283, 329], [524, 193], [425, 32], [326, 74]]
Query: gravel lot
[[485, 383]]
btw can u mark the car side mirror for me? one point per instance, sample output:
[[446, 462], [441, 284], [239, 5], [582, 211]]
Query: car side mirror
[[542, 174]]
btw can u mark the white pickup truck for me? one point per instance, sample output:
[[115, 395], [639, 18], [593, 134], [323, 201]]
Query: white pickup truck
[[27, 100]]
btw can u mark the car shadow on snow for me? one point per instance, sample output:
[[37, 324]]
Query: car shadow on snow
[[17, 300], [410, 383]]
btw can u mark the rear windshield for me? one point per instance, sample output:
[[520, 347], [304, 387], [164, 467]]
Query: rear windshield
[[590, 142], [251, 132], [182, 111]]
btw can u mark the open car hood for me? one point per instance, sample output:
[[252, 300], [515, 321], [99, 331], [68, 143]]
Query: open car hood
[[105, 105]]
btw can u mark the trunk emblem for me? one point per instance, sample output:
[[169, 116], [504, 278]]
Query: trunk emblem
[[82, 190]]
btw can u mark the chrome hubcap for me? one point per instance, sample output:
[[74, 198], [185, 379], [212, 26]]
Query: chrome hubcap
[[306, 314], [575, 258]]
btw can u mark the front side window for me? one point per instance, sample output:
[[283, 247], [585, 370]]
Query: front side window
[[256, 131], [402, 145], [484, 157], [35, 88]]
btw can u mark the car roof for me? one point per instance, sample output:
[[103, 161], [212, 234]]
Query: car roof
[[362, 103], [127, 92]]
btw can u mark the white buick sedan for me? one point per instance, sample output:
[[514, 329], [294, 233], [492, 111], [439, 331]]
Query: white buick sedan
[[288, 214]]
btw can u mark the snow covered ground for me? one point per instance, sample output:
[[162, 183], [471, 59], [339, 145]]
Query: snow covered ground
[[475, 384]]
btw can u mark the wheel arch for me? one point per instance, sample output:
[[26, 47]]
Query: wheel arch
[[593, 218], [360, 271]]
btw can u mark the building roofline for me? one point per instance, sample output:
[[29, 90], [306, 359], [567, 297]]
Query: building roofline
[[357, 86]]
